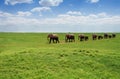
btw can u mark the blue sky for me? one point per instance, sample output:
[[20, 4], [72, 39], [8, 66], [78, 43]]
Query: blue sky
[[59, 15]]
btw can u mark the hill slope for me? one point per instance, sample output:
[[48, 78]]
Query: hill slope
[[29, 56]]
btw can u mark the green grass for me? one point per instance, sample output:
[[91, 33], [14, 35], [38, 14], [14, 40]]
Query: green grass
[[30, 56]]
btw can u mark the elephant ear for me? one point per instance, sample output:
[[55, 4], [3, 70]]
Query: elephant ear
[[49, 35]]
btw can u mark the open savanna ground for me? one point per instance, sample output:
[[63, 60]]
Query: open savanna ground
[[30, 56]]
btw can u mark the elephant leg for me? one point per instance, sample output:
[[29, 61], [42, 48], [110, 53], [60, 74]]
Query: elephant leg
[[80, 39], [56, 40], [53, 40], [69, 40], [50, 40]]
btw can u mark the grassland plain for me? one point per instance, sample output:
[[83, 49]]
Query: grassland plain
[[29, 56]]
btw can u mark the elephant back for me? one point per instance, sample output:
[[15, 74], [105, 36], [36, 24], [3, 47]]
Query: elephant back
[[52, 36]]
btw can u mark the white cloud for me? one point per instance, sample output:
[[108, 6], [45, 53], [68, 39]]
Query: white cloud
[[5, 14], [74, 13], [93, 1], [21, 13], [103, 14], [99, 15], [13, 2], [41, 9], [50, 2], [64, 22]]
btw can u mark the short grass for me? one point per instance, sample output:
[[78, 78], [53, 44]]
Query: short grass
[[30, 56]]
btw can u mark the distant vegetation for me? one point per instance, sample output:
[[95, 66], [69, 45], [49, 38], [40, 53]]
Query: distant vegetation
[[30, 56]]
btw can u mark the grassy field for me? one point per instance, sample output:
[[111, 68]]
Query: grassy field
[[30, 56]]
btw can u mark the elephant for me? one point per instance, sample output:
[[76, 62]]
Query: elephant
[[109, 35], [86, 38], [82, 37], [100, 37], [113, 35], [105, 35], [53, 37], [69, 38], [94, 36]]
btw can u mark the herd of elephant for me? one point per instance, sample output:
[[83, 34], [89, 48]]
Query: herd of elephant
[[71, 37]]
